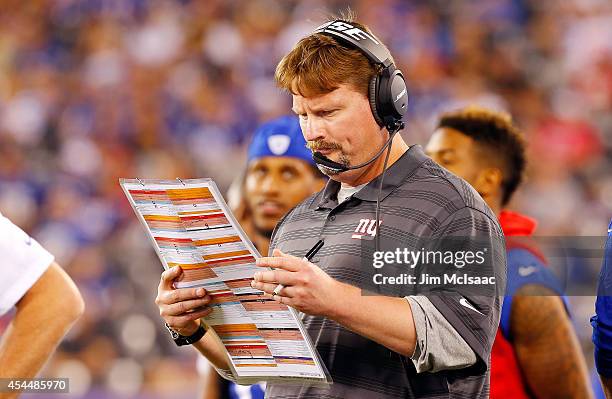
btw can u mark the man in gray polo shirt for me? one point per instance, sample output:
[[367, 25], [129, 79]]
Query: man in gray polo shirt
[[378, 346], [407, 340]]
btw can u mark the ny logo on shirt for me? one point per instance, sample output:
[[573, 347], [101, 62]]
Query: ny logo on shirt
[[366, 226]]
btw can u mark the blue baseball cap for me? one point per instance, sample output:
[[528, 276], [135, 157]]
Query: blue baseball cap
[[280, 137]]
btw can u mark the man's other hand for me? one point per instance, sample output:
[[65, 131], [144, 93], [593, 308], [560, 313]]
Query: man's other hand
[[181, 308]]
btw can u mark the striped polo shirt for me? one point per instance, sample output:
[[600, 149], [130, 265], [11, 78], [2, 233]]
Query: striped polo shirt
[[419, 201]]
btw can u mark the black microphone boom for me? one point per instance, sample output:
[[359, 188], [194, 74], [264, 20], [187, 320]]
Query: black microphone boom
[[336, 167]]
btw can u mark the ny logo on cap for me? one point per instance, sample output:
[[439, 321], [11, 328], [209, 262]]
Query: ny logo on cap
[[279, 143]]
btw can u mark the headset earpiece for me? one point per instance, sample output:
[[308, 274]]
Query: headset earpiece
[[391, 97], [373, 88]]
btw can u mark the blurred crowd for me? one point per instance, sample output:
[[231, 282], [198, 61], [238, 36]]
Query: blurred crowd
[[95, 90]]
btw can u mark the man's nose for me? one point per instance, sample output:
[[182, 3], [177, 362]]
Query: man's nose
[[269, 185], [313, 129]]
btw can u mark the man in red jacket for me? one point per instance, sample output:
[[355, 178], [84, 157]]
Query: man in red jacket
[[536, 353]]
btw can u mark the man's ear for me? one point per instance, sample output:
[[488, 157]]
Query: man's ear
[[488, 182]]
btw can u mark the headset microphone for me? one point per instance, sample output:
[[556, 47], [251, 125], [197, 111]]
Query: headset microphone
[[327, 165]]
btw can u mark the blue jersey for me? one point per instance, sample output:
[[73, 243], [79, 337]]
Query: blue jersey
[[524, 268], [602, 321], [255, 391]]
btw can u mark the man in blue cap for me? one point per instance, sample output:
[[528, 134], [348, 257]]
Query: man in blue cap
[[280, 173]]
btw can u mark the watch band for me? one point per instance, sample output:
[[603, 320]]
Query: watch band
[[181, 340]]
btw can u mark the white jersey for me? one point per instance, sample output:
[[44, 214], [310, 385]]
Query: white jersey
[[22, 262]]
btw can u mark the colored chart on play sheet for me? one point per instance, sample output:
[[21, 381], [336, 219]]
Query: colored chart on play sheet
[[191, 226]]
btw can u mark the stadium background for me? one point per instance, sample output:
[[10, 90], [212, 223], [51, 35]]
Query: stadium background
[[94, 90]]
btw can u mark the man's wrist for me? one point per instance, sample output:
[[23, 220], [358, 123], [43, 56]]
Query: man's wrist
[[346, 295], [188, 331], [182, 340]]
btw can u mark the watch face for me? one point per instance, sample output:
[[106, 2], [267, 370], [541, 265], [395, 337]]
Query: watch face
[[181, 340], [173, 333]]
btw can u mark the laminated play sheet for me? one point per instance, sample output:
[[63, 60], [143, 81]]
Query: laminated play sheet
[[191, 226]]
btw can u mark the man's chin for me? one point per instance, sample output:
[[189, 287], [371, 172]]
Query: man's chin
[[265, 229], [265, 232]]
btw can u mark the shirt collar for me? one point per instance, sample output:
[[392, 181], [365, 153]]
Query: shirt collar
[[396, 174], [515, 224]]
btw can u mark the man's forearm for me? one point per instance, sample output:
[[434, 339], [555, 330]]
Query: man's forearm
[[24, 350], [43, 317], [546, 345], [386, 320], [212, 349]]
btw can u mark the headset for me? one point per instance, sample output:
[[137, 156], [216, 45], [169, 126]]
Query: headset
[[388, 94]]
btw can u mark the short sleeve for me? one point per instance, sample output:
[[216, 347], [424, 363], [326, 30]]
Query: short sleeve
[[471, 303], [525, 268], [438, 346], [23, 262]]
